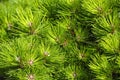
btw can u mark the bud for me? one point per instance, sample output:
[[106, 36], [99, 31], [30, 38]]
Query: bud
[[99, 9], [30, 24], [74, 74], [57, 39], [46, 53], [30, 62], [18, 59], [81, 55], [65, 43], [31, 77], [9, 26]]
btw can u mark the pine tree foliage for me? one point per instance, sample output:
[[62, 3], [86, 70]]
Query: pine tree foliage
[[101, 67], [98, 6], [59, 39], [106, 24], [25, 55], [110, 43]]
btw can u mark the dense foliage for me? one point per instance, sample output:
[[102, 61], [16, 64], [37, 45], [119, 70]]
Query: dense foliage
[[60, 39]]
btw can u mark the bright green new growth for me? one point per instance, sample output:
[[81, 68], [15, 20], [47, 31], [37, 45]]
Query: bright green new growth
[[110, 43], [101, 67], [106, 24], [59, 39], [26, 55]]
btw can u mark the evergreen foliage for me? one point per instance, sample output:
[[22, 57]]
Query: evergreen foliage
[[59, 39]]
